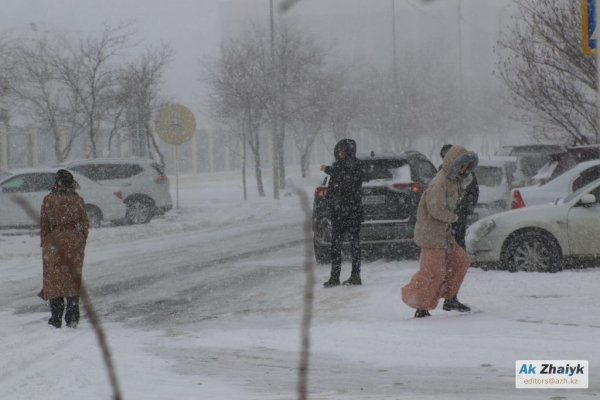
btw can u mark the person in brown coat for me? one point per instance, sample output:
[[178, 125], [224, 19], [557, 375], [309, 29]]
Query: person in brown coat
[[63, 231], [443, 263]]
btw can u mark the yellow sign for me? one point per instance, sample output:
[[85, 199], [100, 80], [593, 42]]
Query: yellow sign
[[588, 26], [175, 124]]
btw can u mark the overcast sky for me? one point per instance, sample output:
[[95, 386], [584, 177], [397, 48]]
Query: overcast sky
[[191, 26]]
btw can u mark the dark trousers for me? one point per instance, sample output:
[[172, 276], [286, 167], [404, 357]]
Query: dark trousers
[[340, 227], [459, 230], [57, 308]]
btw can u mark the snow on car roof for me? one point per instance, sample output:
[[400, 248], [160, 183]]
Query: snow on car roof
[[104, 160], [496, 161]]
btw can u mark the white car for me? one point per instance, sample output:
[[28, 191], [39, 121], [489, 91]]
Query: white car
[[496, 176], [539, 238], [102, 203], [144, 184], [557, 188]]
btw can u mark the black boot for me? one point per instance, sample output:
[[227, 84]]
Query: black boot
[[353, 280], [454, 304], [332, 282], [422, 314], [72, 314], [57, 306], [54, 322]]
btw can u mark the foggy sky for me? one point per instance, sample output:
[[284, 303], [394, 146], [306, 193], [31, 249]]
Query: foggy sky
[[193, 27]]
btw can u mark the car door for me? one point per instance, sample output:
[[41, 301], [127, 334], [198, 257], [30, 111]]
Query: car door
[[584, 227], [29, 191], [587, 176], [12, 214]]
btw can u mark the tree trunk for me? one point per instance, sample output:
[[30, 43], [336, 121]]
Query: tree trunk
[[281, 151], [255, 147], [258, 171], [244, 186], [275, 162], [305, 163]]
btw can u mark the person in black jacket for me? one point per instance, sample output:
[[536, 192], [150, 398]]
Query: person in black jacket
[[467, 205], [344, 199]]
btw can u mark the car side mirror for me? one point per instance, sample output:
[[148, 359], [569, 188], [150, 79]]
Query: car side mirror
[[588, 200]]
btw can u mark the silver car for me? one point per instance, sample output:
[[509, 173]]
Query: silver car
[[23, 190], [145, 186]]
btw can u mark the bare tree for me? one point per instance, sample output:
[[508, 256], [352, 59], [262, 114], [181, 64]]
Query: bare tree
[[345, 102], [551, 81], [236, 89], [89, 68], [298, 60], [46, 100], [308, 119], [141, 81], [7, 65]]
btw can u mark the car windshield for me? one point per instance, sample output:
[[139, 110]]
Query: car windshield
[[4, 175], [576, 193], [489, 176], [386, 170]]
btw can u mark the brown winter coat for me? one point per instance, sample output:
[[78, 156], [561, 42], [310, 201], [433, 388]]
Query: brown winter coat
[[436, 211], [63, 230]]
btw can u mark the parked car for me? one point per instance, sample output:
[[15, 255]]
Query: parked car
[[557, 164], [102, 203], [540, 238], [565, 160], [146, 191], [535, 155], [568, 182], [496, 176], [391, 192]]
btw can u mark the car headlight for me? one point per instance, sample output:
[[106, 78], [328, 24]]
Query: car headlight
[[485, 227]]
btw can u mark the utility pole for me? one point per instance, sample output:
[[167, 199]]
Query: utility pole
[[597, 38], [460, 72], [274, 92], [395, 74]]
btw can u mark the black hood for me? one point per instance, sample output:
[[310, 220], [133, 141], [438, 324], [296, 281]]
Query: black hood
[[349, 146]]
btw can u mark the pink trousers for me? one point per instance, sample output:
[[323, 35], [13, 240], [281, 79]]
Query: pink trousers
[[440, 275]]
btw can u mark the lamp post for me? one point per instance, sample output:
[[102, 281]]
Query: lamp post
[[395, 73], [275, 116]]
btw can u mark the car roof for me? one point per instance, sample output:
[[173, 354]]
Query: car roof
[[106, 160], [587, 146], [486, 162], [534, 147], [390, 156], [18, 171], [46, 170]]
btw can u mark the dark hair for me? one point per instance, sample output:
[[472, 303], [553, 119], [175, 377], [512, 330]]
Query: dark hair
[[65, 179], [444, 150]]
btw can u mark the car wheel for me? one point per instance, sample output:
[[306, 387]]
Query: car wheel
[[139, 211], [322, 253], [94, 216], [532, 252]]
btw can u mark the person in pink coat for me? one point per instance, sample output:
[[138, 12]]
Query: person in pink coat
[[443, 263]]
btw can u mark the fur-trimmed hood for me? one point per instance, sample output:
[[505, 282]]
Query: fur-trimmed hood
[[349, 146], [456, 158]]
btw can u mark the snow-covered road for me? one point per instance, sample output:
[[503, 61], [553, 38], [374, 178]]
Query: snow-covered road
[[205, 303]]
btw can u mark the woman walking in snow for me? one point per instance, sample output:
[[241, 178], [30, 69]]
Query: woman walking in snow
[[443, 263], [63, 231]]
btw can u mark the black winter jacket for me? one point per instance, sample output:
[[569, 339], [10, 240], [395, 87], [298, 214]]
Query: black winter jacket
[[344, 194], [469, 201]]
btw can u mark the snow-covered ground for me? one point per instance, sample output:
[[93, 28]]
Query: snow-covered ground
[[205, 303]]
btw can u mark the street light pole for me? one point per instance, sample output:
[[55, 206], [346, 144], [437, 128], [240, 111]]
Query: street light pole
[[395, 73], [460, 71], [274, 104], [596, 15]]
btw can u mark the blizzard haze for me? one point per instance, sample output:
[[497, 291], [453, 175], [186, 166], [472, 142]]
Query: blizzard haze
[[357, 31]]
